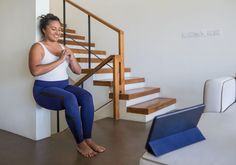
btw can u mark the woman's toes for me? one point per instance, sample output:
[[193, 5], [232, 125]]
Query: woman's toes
[[85, 150], [95, 147]]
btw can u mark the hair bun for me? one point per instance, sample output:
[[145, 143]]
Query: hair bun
[[45, 20], [47, 16]]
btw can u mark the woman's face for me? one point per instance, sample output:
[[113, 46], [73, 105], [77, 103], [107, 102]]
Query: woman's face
[[53, 31]]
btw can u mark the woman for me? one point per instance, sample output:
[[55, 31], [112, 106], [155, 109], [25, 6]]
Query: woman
[[48, 62]]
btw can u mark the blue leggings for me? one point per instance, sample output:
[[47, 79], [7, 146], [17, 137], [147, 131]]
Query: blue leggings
[[57, 95]]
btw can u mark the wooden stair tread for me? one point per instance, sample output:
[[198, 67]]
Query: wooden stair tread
[[103, 70], [68, 30], [84, 51], [71, 36], [146, 107], [109, 82], [77, 43], [93, 60], [135, 93], [151, 106]]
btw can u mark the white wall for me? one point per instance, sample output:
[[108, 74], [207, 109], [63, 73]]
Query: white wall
[[175, 45], [18, 111]]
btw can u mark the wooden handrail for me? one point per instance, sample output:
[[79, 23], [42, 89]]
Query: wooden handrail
[[118, 60], [116, 87], [104, 62], [94, 16], [120, 42]]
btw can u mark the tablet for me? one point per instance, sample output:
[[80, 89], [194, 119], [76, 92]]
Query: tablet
[[175, 130]]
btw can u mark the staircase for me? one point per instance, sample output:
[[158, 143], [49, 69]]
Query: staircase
[[138, 102]]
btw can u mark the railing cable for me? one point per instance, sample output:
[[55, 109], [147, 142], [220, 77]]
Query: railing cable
[[88, 50], [103, 105]]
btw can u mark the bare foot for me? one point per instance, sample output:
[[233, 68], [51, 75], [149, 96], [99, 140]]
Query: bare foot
[[85, 150], [94, 146]]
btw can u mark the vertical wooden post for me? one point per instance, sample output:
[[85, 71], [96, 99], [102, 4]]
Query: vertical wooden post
[[121, 63], [116, 87], [64, 22]]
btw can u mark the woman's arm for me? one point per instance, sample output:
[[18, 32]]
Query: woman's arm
[[36, 55], [73, 64]]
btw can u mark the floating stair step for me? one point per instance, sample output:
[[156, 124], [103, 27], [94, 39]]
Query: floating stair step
[[109, 82], [84, 51], [151, 106], [77, 43], [93, 60], [103, 70], [135, 93], [71, 36], [69, 31]]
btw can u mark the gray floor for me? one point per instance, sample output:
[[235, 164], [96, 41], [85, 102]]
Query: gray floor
[[124, 140]]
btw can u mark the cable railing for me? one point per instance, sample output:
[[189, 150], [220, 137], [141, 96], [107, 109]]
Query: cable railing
[[118, 60], [116, 87], [78, 43], [119, 32]]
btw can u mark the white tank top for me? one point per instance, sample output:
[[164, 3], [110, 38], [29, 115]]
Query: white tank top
[[58, 73]]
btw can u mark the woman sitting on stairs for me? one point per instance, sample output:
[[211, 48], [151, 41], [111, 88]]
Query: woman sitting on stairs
[[48, 62]]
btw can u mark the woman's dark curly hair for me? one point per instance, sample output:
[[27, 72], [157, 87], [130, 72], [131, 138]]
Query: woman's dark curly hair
[[45, 20]]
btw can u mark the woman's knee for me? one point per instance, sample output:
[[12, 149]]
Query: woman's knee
[[83, 96], [70, 100], [86, 98], [87, 95]]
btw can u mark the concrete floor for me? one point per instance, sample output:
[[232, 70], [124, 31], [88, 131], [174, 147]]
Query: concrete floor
[[124, 140]]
